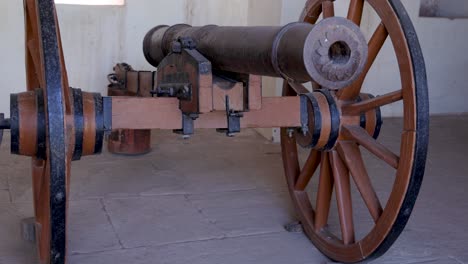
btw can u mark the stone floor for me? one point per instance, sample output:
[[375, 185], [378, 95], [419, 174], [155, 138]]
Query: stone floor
[[213, 199]]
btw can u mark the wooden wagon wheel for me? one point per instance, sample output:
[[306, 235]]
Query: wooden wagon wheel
[[54, 124], [47, 82], [339, 157]]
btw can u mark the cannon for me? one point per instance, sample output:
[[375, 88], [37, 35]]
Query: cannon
[[210, 78]]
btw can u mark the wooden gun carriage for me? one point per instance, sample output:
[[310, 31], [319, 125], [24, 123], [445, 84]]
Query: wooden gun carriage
[[209, 78]]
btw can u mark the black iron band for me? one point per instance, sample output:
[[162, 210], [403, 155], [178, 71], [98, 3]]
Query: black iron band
[[79, 123], [41, 125], [14, 120], [335, 119], [107, 109], [153, 82], [362, 117], [379, 120], [275, 50], [56, 153], [98, 109], [138, 83], [317, 128]]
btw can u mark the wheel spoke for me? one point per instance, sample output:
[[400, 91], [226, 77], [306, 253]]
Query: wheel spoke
[[328, 9], [34, 72], [292, 169], [40, 186], [67, 92], [325, 189], [41, 189], [351, 155], [343, 197], [367, 105], [315, 86], [305, 207], [308, 171], [32, 18], [298, 88], [311, 16], [288, 90], [364, 139], [355, 11], [35, 57], [375, 45]]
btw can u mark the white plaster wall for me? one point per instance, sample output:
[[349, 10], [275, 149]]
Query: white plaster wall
[[12, 59], [139, 17], [218, 12], [95, 38], [444, 44], [91, 42]]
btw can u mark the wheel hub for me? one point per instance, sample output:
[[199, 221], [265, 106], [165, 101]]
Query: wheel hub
[[322, 119], [28, 124]]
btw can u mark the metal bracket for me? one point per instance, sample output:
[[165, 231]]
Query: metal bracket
[[233, 120], [183, 43], [187, 43], [188, 127], [186, 76], [182, 91], [309, 133], [304, 114]]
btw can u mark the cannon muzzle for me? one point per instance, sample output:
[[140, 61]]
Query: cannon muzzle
[[332, 53]]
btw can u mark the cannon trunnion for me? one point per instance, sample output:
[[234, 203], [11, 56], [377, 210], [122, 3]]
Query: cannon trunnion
[[211, 78]]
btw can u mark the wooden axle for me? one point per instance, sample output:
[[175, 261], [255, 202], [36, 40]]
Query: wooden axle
[[164, 113], [28, 123], [315, 117], [94, 114]]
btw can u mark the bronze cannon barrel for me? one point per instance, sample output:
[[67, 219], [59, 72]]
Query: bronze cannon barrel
[[330, 53]]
